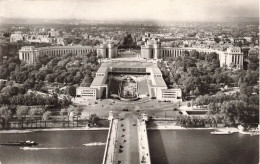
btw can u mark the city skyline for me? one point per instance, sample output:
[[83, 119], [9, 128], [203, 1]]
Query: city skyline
[[166, 10]]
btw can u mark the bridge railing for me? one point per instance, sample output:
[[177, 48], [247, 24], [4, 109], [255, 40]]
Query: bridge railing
[[107, 143]]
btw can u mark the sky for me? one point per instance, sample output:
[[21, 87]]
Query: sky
[[158, 10]]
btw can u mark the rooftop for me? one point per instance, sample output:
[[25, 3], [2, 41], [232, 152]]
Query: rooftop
[[98, 81], [66, 47], [128, 64], [156, 70], [159, 82], [102, 69]]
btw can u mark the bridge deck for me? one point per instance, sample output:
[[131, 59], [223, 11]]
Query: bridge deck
[[127, 141], [127, 150]]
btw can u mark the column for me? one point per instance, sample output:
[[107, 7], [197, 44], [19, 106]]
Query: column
[[106, 92], [241, 61]]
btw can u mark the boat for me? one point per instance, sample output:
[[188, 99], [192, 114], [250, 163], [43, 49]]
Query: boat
[[221, 132], [254, 134], [252, 131], [20, 143]]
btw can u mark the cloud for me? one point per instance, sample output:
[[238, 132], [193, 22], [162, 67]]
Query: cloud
[[130, 9]]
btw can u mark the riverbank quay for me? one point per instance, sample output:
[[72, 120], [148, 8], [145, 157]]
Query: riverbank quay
[[54, 124], [170, 124], [55, 129]]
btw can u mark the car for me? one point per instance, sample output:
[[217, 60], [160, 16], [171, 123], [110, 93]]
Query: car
[[125, 109], [134, 124]]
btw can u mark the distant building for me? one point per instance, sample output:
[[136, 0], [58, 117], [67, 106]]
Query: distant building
[[17, 36], [86, 92], [60, 41], [153, 50], [232, 58], [107, 51], [30, 53]]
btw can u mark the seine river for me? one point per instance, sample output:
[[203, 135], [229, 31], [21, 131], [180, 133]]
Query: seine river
[[166, 147], [55, 147], [200, 147]]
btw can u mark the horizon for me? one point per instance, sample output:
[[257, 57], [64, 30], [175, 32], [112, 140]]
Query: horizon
[[132, 10], [24, 21]]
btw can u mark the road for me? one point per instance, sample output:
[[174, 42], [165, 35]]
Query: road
[[127, 148]]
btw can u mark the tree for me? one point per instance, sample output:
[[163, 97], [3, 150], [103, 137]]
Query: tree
[[5, 115], [233, 65], [77, 111], [197, 91], [194, 54], [93, 119], [3, 99], [240, 81], [50, 78], [193, 71], [22, 111], [36, 112], [245, 89], [86, 81], [10, 90], [71, 90], [191, 93], [254, 100], [237, 111], [63, 112], [244, 97], [69, 79], [100, 57], [46, 115], [217, 40], [176, 77]]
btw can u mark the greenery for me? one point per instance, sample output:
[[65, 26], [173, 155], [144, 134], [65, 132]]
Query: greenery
[[232, 109], [66, 69], [93, 119], [5, 115], [22, 93], [199, 74]]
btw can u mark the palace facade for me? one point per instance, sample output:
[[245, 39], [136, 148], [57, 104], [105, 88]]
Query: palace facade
[[232, 58], [146, 76], [29, 54]]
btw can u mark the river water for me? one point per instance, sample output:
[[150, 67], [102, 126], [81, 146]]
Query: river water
[[166, 147], [55, 147], [200, 147]]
